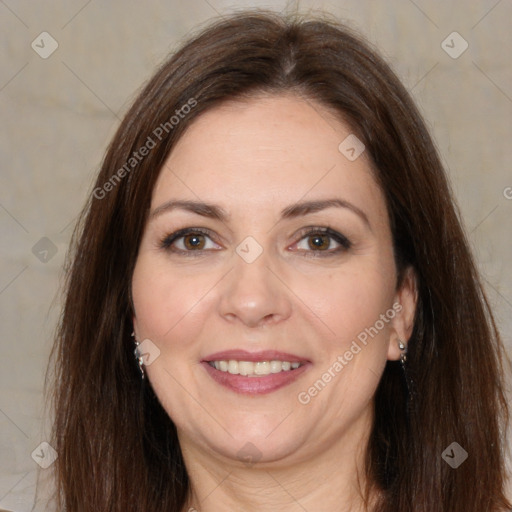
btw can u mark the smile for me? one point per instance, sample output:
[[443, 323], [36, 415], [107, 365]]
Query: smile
[[254, 373], [254, 369]]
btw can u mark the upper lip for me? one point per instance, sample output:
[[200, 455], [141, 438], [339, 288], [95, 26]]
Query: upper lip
[[264, 355]]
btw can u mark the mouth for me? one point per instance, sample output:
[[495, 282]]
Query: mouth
[[254, 373], [253, 369]]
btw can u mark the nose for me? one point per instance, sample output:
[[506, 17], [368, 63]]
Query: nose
[[254, 295]]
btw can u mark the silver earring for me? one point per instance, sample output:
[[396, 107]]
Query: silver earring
[[138, 355], [403, 358], [403, 349]]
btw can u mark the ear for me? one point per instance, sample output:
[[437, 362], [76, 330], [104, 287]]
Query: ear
[[134, 313], [405, 301], [135, 322], [135, 326]]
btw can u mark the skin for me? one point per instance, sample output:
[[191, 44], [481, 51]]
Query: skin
[[255, 158]]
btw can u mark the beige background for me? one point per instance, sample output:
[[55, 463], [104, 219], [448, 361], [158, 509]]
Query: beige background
[[59, 113]]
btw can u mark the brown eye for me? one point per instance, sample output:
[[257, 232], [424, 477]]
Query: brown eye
[[194, 241], [322, 242], [319, 242], [189, 240]]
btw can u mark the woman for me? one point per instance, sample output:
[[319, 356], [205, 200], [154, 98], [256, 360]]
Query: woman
[[273, 233]]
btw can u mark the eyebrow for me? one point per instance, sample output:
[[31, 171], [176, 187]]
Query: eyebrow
[[304, 208], [295, 210]]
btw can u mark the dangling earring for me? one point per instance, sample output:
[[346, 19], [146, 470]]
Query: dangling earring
[[403, 349], [403, 358], [138, 355]]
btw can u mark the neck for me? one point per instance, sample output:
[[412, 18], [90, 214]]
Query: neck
[[331, 480]]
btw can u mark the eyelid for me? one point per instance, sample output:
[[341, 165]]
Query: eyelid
[[168, 240], [338, 237], [342, 240]]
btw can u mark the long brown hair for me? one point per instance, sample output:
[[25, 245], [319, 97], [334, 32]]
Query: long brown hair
[[118, 449]]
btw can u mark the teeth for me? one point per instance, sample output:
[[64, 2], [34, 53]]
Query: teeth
[[232, 367], [245, 368], [250, 369], [276, 366]]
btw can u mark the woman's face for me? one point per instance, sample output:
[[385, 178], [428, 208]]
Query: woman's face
[[283, 258]]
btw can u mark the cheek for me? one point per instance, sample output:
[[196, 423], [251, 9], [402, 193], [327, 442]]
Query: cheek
[[351, 361], [357, 307], [351, 300], [164, 301]]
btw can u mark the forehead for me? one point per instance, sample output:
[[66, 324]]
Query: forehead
[[267, 152]]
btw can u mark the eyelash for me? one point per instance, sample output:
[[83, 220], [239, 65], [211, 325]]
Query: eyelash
[[343, 241]]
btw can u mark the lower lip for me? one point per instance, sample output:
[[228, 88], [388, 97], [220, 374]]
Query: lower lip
[[255, 385]]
